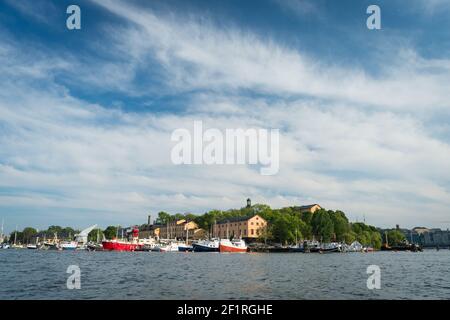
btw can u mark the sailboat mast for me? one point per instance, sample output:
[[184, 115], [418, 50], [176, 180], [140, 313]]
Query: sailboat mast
[[15, 235], [227, 232]]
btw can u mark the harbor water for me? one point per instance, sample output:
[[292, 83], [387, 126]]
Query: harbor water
[[35, 274]]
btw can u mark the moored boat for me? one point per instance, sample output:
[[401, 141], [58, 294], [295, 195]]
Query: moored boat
[[226, 245], [170, 247], [68, 245], [330, 247], [206, 246], [124, 245], [185, 248]]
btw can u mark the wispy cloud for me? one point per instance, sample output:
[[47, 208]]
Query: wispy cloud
[[351, 139]]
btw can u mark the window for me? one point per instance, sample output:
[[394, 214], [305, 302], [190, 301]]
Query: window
[[252, 231], [251, 223]]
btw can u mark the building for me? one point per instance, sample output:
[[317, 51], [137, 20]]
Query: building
[[309, 208], [249, 227], [180, 229], [435, 238]]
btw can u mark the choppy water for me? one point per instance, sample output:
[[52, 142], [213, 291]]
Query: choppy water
[[29, 274]]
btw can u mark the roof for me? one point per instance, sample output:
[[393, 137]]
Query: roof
[[309, 206]]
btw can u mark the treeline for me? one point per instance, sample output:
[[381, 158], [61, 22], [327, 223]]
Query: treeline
[[290, 224], [29, 234]]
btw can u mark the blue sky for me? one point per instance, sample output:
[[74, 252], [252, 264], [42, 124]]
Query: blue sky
[[86, 116]]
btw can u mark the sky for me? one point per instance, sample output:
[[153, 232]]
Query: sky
[[86, 116]]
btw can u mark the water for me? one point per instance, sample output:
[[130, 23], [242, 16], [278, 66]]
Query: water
[[30, 274]]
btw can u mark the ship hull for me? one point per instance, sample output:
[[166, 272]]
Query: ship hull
[[120, 246], [201, 248], [226, 248]]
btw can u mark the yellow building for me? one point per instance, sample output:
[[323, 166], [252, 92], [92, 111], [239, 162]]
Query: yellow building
[[240, 227], [310, 208], [179, 229]]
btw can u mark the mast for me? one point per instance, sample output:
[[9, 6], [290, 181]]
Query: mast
[[1, 235], [227, 232], [15, 235], [168, 231]]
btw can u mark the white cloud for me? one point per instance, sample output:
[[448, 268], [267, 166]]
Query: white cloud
[[350, 141]]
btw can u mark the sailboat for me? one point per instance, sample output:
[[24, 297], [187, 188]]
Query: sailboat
[[185, 247], [15, 245], [33, 246]]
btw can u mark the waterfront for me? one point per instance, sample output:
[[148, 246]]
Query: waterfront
[[31, 274]]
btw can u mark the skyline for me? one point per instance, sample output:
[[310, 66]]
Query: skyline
[[86, 115]]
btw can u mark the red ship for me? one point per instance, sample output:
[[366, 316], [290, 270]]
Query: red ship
[[123, 245]]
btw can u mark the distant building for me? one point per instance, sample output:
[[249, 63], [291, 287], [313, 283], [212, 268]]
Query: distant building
[[309, 208], [249, 227], [436, 237], [180, 229]]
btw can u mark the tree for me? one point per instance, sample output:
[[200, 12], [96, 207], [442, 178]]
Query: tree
[[322, 225], [28, 233], [163, 218], [110, 232], [92, 236], [340, 225], [395, 237]]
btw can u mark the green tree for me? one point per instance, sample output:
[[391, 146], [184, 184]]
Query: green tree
[[110, 232], [395, 237], [340, 225], [28, 233], [92, 236], [322, 225], [163, 218]]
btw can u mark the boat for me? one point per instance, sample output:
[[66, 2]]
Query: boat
[[330, 247], [92, 246], [170, 247], [5, 246], [68, 245], [125, 244], [206, 246], [405, 247], [32, 246], [296, 248], [185, 248], [226, 245]]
